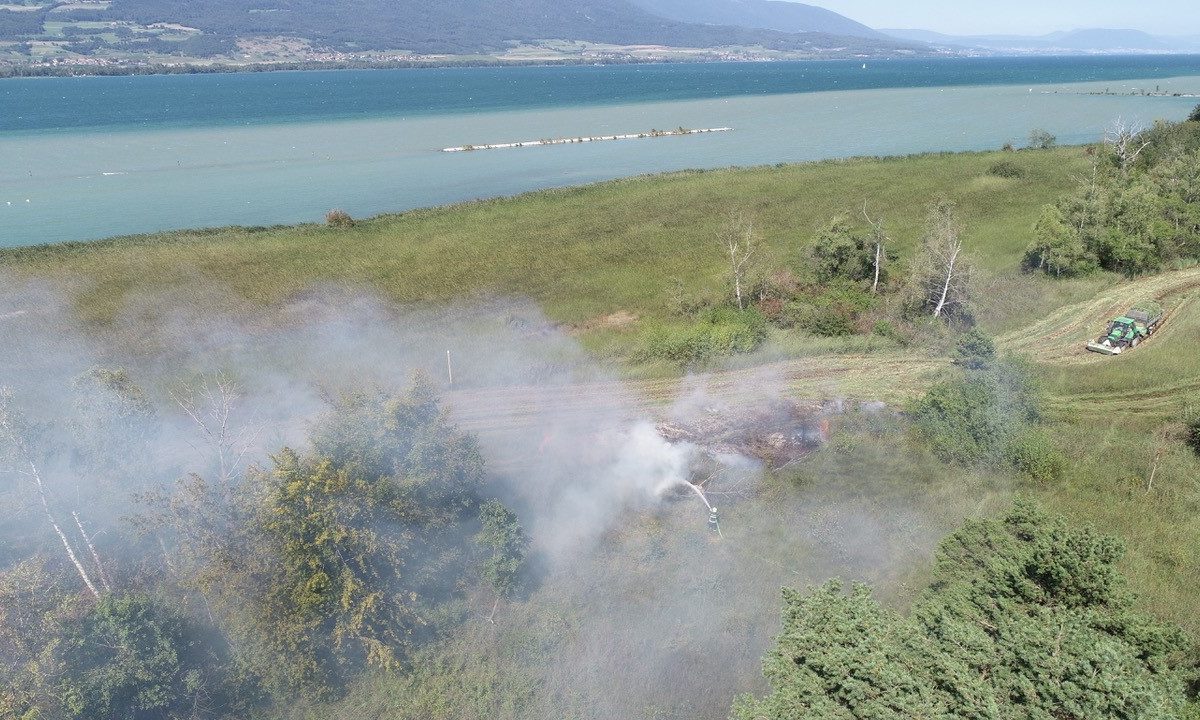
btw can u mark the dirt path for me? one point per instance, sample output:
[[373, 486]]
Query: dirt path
[[892, 376]]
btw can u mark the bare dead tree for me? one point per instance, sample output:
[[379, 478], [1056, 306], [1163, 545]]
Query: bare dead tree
[[943, 248], [880, 238], [739, 241], [13, 437], [1124, 140], [211, 407], [91, 546]]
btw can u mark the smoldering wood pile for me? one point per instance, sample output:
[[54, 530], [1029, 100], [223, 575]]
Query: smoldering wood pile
[[778, 433]]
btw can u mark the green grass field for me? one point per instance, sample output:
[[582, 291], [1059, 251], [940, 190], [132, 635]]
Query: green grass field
[[585, 254]]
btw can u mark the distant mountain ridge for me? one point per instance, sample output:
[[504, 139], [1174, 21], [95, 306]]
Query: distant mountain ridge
[[472, 26], [1088, 40], [790, 17]]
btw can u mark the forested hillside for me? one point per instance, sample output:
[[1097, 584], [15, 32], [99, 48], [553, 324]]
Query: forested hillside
[[769, 14], [461, 26]]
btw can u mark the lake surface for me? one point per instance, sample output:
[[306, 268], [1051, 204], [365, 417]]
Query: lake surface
[[85, 158]]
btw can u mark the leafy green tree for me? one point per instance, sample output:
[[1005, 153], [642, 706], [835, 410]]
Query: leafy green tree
[[1137, 226], [132, 657], [842, 252], [1195, 116], [504, 544], [135, 658], [1057, 248], [34, 610], [409, 439], [325, 563], [1177, 183], [1025, 618]]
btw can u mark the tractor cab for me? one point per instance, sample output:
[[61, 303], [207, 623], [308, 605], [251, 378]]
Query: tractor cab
[[1122, 329]]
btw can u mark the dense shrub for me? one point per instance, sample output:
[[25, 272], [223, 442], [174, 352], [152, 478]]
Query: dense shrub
[[136, 658], [975, 350], [886, 329], [1191, 424], [1042, 140], [717, 333], [843, 252], [1034, 455], [973, 418], [1006, 169], [1195, 116], [339, 219], [834, 312]]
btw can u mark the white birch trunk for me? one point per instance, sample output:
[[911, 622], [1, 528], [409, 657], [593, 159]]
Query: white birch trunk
[[878, 252], [104, 582], [937, 313], [83, 573], [9, 426]]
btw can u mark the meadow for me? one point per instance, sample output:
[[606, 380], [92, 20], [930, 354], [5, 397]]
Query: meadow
[[607, 263]]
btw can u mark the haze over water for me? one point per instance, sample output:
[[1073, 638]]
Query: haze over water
[[85, 158]]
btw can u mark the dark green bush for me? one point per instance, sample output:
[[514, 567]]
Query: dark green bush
[[886, 329], [138, 658], [974, 418], [1006, 169], [1191, 424], [845, 252], [975, 350], [1195, 116]]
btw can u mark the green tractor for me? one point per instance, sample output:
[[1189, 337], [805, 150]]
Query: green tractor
[[1129, 330]]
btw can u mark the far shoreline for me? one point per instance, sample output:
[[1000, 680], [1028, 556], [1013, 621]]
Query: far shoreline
[[15, 72]]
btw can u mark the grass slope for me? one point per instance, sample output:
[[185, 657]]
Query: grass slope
[[589, 252]]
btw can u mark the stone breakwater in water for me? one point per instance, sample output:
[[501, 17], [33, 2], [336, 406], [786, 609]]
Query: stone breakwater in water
[[588, 139]]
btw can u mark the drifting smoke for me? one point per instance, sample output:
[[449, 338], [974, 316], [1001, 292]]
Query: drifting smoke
[[652, 614]]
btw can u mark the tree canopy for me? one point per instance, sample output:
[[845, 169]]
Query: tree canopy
[[1025, 618], [1137, 211]]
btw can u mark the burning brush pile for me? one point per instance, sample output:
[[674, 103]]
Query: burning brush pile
[[778, 433]]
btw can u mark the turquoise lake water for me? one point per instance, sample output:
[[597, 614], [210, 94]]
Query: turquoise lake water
[[86, 158]]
